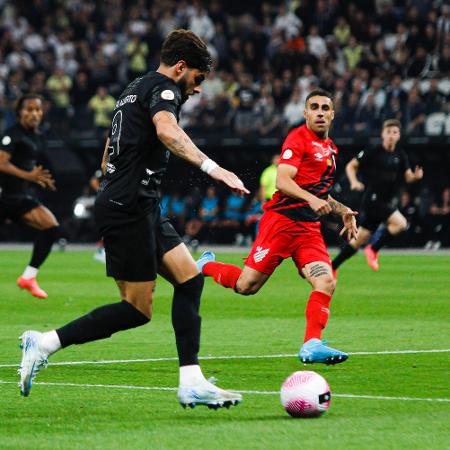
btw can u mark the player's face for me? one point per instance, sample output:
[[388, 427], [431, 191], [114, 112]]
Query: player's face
[[390, 136], [30, 115], [319, 114], [190, 82]]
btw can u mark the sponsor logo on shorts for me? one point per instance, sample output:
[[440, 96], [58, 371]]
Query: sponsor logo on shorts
[[260, 253]]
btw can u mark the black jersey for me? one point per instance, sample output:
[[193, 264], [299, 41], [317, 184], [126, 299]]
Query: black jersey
[[382, 171], [25, 147], [137, 158]]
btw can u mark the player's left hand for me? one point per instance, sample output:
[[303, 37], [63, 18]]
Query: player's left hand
[[350, 228], [418, 172]]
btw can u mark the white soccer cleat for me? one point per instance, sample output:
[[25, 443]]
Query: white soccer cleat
[[206, 393], [33, 359]]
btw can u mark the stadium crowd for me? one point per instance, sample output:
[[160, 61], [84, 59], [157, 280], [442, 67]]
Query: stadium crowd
[[381, 58]]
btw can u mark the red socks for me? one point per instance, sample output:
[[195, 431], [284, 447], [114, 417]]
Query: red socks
[[223, 274], [317, 312]]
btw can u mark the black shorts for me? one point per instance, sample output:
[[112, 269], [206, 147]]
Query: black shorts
[[135, 246], [14, 207], [375, 212]]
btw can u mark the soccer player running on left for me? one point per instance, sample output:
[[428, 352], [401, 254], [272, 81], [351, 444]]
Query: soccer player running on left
[[138, 242], [384, 168], [20, 148], [290, 226]]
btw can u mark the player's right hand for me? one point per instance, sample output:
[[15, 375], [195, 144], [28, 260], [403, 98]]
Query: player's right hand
[[43, 177], [230, 179], [320, 207], [357, 186]]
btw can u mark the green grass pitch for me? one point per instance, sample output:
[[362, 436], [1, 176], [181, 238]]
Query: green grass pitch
[[121, 406]]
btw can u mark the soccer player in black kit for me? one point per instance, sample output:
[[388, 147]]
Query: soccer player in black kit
[[138, 242], [384, 168], [20, 148]]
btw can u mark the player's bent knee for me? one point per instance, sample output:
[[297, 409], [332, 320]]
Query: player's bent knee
[[326, 284]]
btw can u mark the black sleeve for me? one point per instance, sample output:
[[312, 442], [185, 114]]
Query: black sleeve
[[163, 97], [405, 164], [8, 141], [364, 157]]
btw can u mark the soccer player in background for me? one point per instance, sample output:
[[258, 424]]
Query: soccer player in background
[[20, 148], [138, 242], [290, 226], [384, 168]]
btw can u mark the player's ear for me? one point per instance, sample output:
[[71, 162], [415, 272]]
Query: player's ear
[[181, 66]]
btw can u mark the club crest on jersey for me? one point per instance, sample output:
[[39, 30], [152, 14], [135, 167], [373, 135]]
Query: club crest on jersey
[[6, 140], [167, 95], [260, 253]]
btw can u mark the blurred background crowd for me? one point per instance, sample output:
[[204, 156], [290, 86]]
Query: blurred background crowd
[[381, 59]]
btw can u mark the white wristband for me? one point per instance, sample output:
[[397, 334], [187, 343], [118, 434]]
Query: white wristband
[[208, 165]]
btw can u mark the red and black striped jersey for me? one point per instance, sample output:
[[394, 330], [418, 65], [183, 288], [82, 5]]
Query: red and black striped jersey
[[315, 161]]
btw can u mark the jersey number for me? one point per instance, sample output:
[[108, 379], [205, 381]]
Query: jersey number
[[116, 130]]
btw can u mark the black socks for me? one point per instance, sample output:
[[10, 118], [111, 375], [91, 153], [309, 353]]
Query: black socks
[[186, 320], [42, 246], [101, 323], [347, 252], [383, 240]]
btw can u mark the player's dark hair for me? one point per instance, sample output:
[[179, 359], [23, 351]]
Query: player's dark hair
[[187, 46], [22, 99], [392, 123], [320, 93]]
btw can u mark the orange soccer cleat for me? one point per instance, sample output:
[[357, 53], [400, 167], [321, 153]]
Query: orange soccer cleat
[[372, 258], [31, 285]]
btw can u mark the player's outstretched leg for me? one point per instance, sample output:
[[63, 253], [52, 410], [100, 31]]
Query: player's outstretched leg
[[205, 257], [33, 359], [315, 351], [202, 392]]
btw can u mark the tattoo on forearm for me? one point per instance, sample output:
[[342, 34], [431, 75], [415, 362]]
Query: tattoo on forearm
[[337, 207], [317, 271]]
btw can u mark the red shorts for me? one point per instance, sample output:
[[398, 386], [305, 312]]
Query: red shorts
[[280, 237]]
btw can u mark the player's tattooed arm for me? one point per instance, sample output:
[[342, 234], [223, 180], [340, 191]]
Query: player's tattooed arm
[[337, 207], [176, 140], [348, 218]]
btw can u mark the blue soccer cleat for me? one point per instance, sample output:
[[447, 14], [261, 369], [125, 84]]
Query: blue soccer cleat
[[33, 359], [315, 351], [205, 257]]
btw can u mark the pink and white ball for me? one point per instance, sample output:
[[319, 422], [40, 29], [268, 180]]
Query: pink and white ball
[[305, 394]]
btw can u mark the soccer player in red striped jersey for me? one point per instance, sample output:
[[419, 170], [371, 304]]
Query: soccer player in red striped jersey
[[290, 226]]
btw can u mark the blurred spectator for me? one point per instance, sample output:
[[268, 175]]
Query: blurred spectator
[[137, 52], [59, 85], [352, 53], [102, 104], [293, 111], [434, 99], [420, 64], [267, 180], [245, 97], [414, 117], [268, 116], [342, 32]]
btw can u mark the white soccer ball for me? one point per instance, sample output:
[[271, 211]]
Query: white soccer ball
[[305, 394]]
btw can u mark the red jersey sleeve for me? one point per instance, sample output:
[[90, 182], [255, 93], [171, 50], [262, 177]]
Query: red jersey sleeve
[[292, 150]]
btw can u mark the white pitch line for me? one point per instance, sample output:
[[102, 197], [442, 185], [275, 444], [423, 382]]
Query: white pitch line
[[282, 355], [162, 388]]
